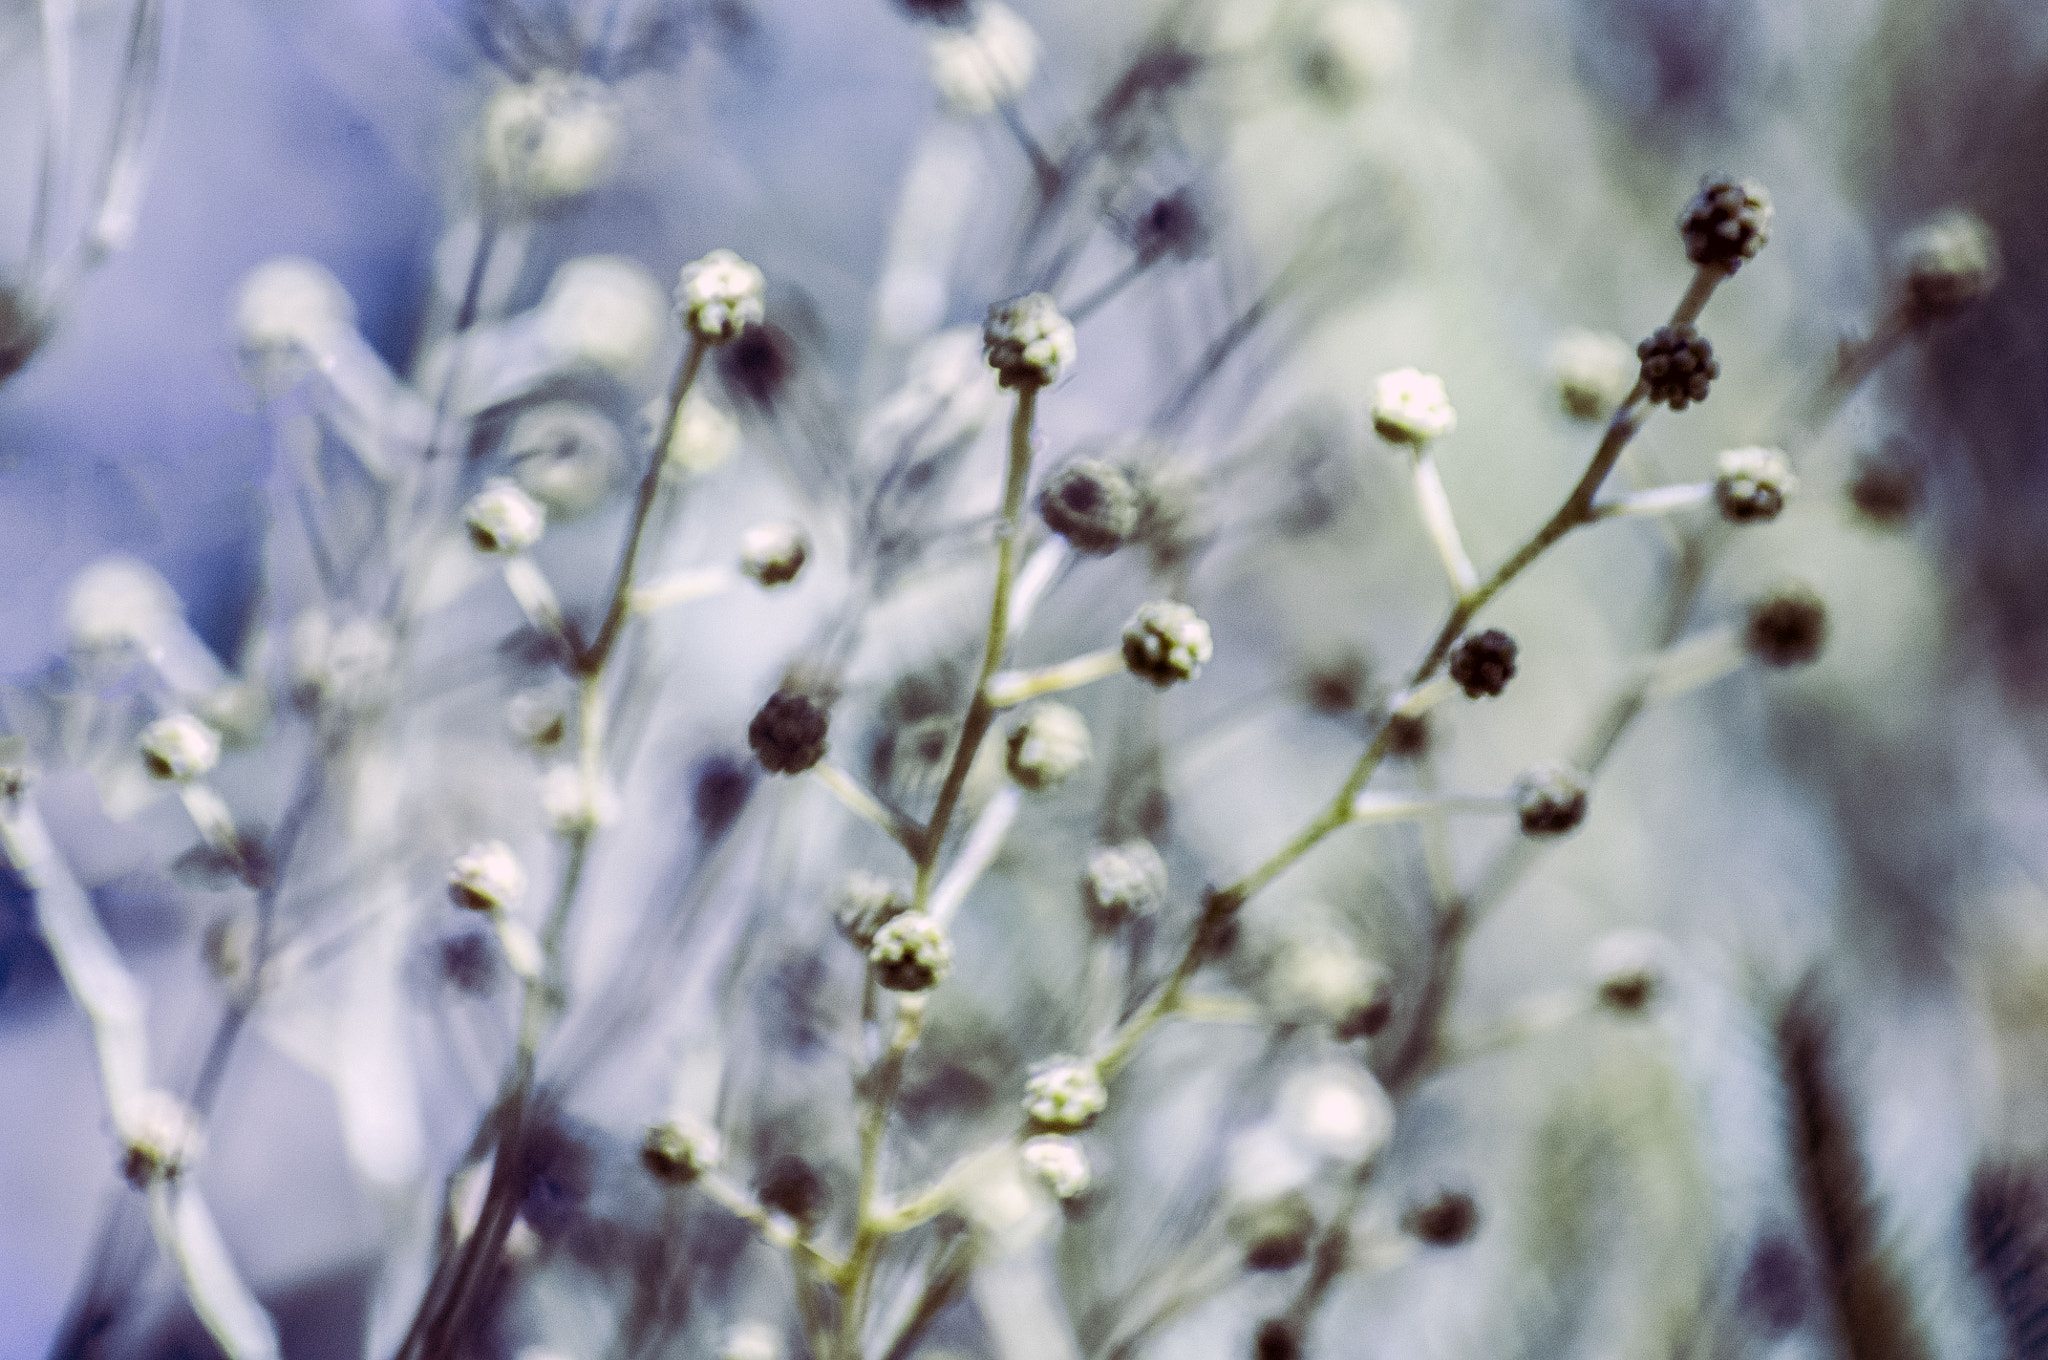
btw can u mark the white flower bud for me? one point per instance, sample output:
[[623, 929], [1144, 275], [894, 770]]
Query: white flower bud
[[773, 554], [1948, 264], [1550, 800], [1065, 1093], [910, 953], [1411, 407], [1123, 882], [719, 296], [161, 1139], [551, 137], [501, 518], [1753, 484], [1028, 341], [605, 311], [1595, 371], [1166, 642], [1630, 969], [179, 749], [752, 1341], [705, 436], [1323, 979], [288, 304], [569, 807], [539, 718], [867, 902], [985, 64], [486, 877], [680, 1149], [1048, 747], [1356, 47], [1059, 1162], [565, 454], [1337, 1112], [117, 601]]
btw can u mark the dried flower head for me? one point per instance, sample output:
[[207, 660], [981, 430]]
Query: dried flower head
[[1048, 747], [1678, 366], [1594, 372], [502, 518], [1787, 626], [719, 296], [984, 63], [1727, 221], [551, 137], [772, 554], [1483, 664], [1629, 969], [1065, 1094], [179, 749], [1091, 504], [1123, 882], [1411, 407], [788, 734], [867, 902], [1059, 1163], [1752, 484], [1166, 642], [1947, 264], [486, 877], [680, 1149], [161, 1139], [910, 953], [1448, 1220], [1027, 341], [1550, 800]]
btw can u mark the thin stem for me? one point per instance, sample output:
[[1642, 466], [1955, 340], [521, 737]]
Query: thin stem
[[1013, 687], [774, 1229], [1662, 500], [57, 17], [1435, 505], [863, 804], [1123, 279]]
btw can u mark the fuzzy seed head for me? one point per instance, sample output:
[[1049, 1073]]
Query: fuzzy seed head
[[1048, 747], [910, 953], [980, 65], [772, 554], [1678, 366], [161, 1139], [1787, 627], [1065, 1094], [1091, 504], [680, 1149], [1123, 882], [550, 138], [1027, 341], [1411, 407], [788, 734], [1166, 642], [867, 902], [1753, 484], [1550, 800], [486, 877], [1727, 221], [179, 749], [502, 518], [1483, 664], [1594, 372], [1059, 1163], [719, 296], [1948, 264]]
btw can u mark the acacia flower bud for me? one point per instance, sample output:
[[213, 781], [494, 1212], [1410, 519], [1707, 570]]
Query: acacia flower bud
[[1594, 372], [1411, 407], [179, 749], [984, 63], [1027, 341], [1550, 800], [1091, 504], [719, 296], [1048, 747], [1753, 484], [1448, 1220], [1786, 627], [1166, 642], [910, 953], [1123, 882], [1059, 1162], [1727, 221], [1947, 264], [1678, 366], [501, 518], [1065, 1094], [679, 1150], [788, 734], [161, 1139], [867, 902], [551, 137], [486, 877], [1483, 664], [1629, 969], [772, 554]]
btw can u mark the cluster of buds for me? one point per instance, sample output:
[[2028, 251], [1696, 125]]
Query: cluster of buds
[[1048, 747], [1091, 504], [1166, 642], [679, 1150], [1028, 342], [179, 749], [788, 734], [910, 953], [1064, 1095], [867, 902], [1411, 407], [1947, 264], [1059, 1162], [719, 296], [1123, 882], [1753, 484], [1678, 366], [1550, 800], [1727, 221], [502, 518], [487, 877], [773, 554], [1483, 664]]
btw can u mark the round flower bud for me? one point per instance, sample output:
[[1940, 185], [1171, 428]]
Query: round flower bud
[[867, 902], [179, 749], [289, 303], [719, 296], [677, 1151], [1027, 341], [1629, 969], [1678, 366], [1408, 738], [117, 602], [788, 734], [1059, 1162], [1166, 642], [551, 137], [772, 554], [1411, 407], [538, 718], [1483, 664], [1090, 504], [1065, 1094], [1594, 372], [486, 877], [1274, 1233], [605, 311], [1550, 800], [987, 62], [1947, 264], [705, 436], [910, 953], [1048, 747], [1787, 627], [1123, 882], [501, 518], [1727, 221], [752, 1341], [570, 805], [161, 1140], [1446, 1221], [1324, 980], [1752, 485], [1885, 491], [1277, 1339], [1174, 518]]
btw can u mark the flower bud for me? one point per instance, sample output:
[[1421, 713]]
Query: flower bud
[[160, 1140], [1753, 484], [1411, 407], [1483, 664], [1065, 1094], [1166, 642], [773, 554], [501, 518], [1123, 882], [867, 902], [1275, 1234], [1550, 800], [1727, 221], [910, 953], [719, 296], [1629, 969], [551, 137], [179, 749], [1027, 341], [1594, 372], [679, 1150], [1048, 747], [1678, 366], [1059, 1162], [486, 877], [1947, 264], [287, 304], [788, 734], [1090, 504], [1786, 627]]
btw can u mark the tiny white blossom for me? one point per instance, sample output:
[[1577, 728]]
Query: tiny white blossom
[[1594, 372], [1048, 747], [502, 518], [680, 1149], [1411, 407], [551, 137], [289, 303], [719, 296], [486, 877], [1066, 1093], [1124, 881], [1753, 484], [1059, 1162], [179, 748], [1028, 341], [605, 311], [569, 807], [705, 436], [986, 64], [1166, 642], [773, 554], [161, 1137], [910, 953]]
